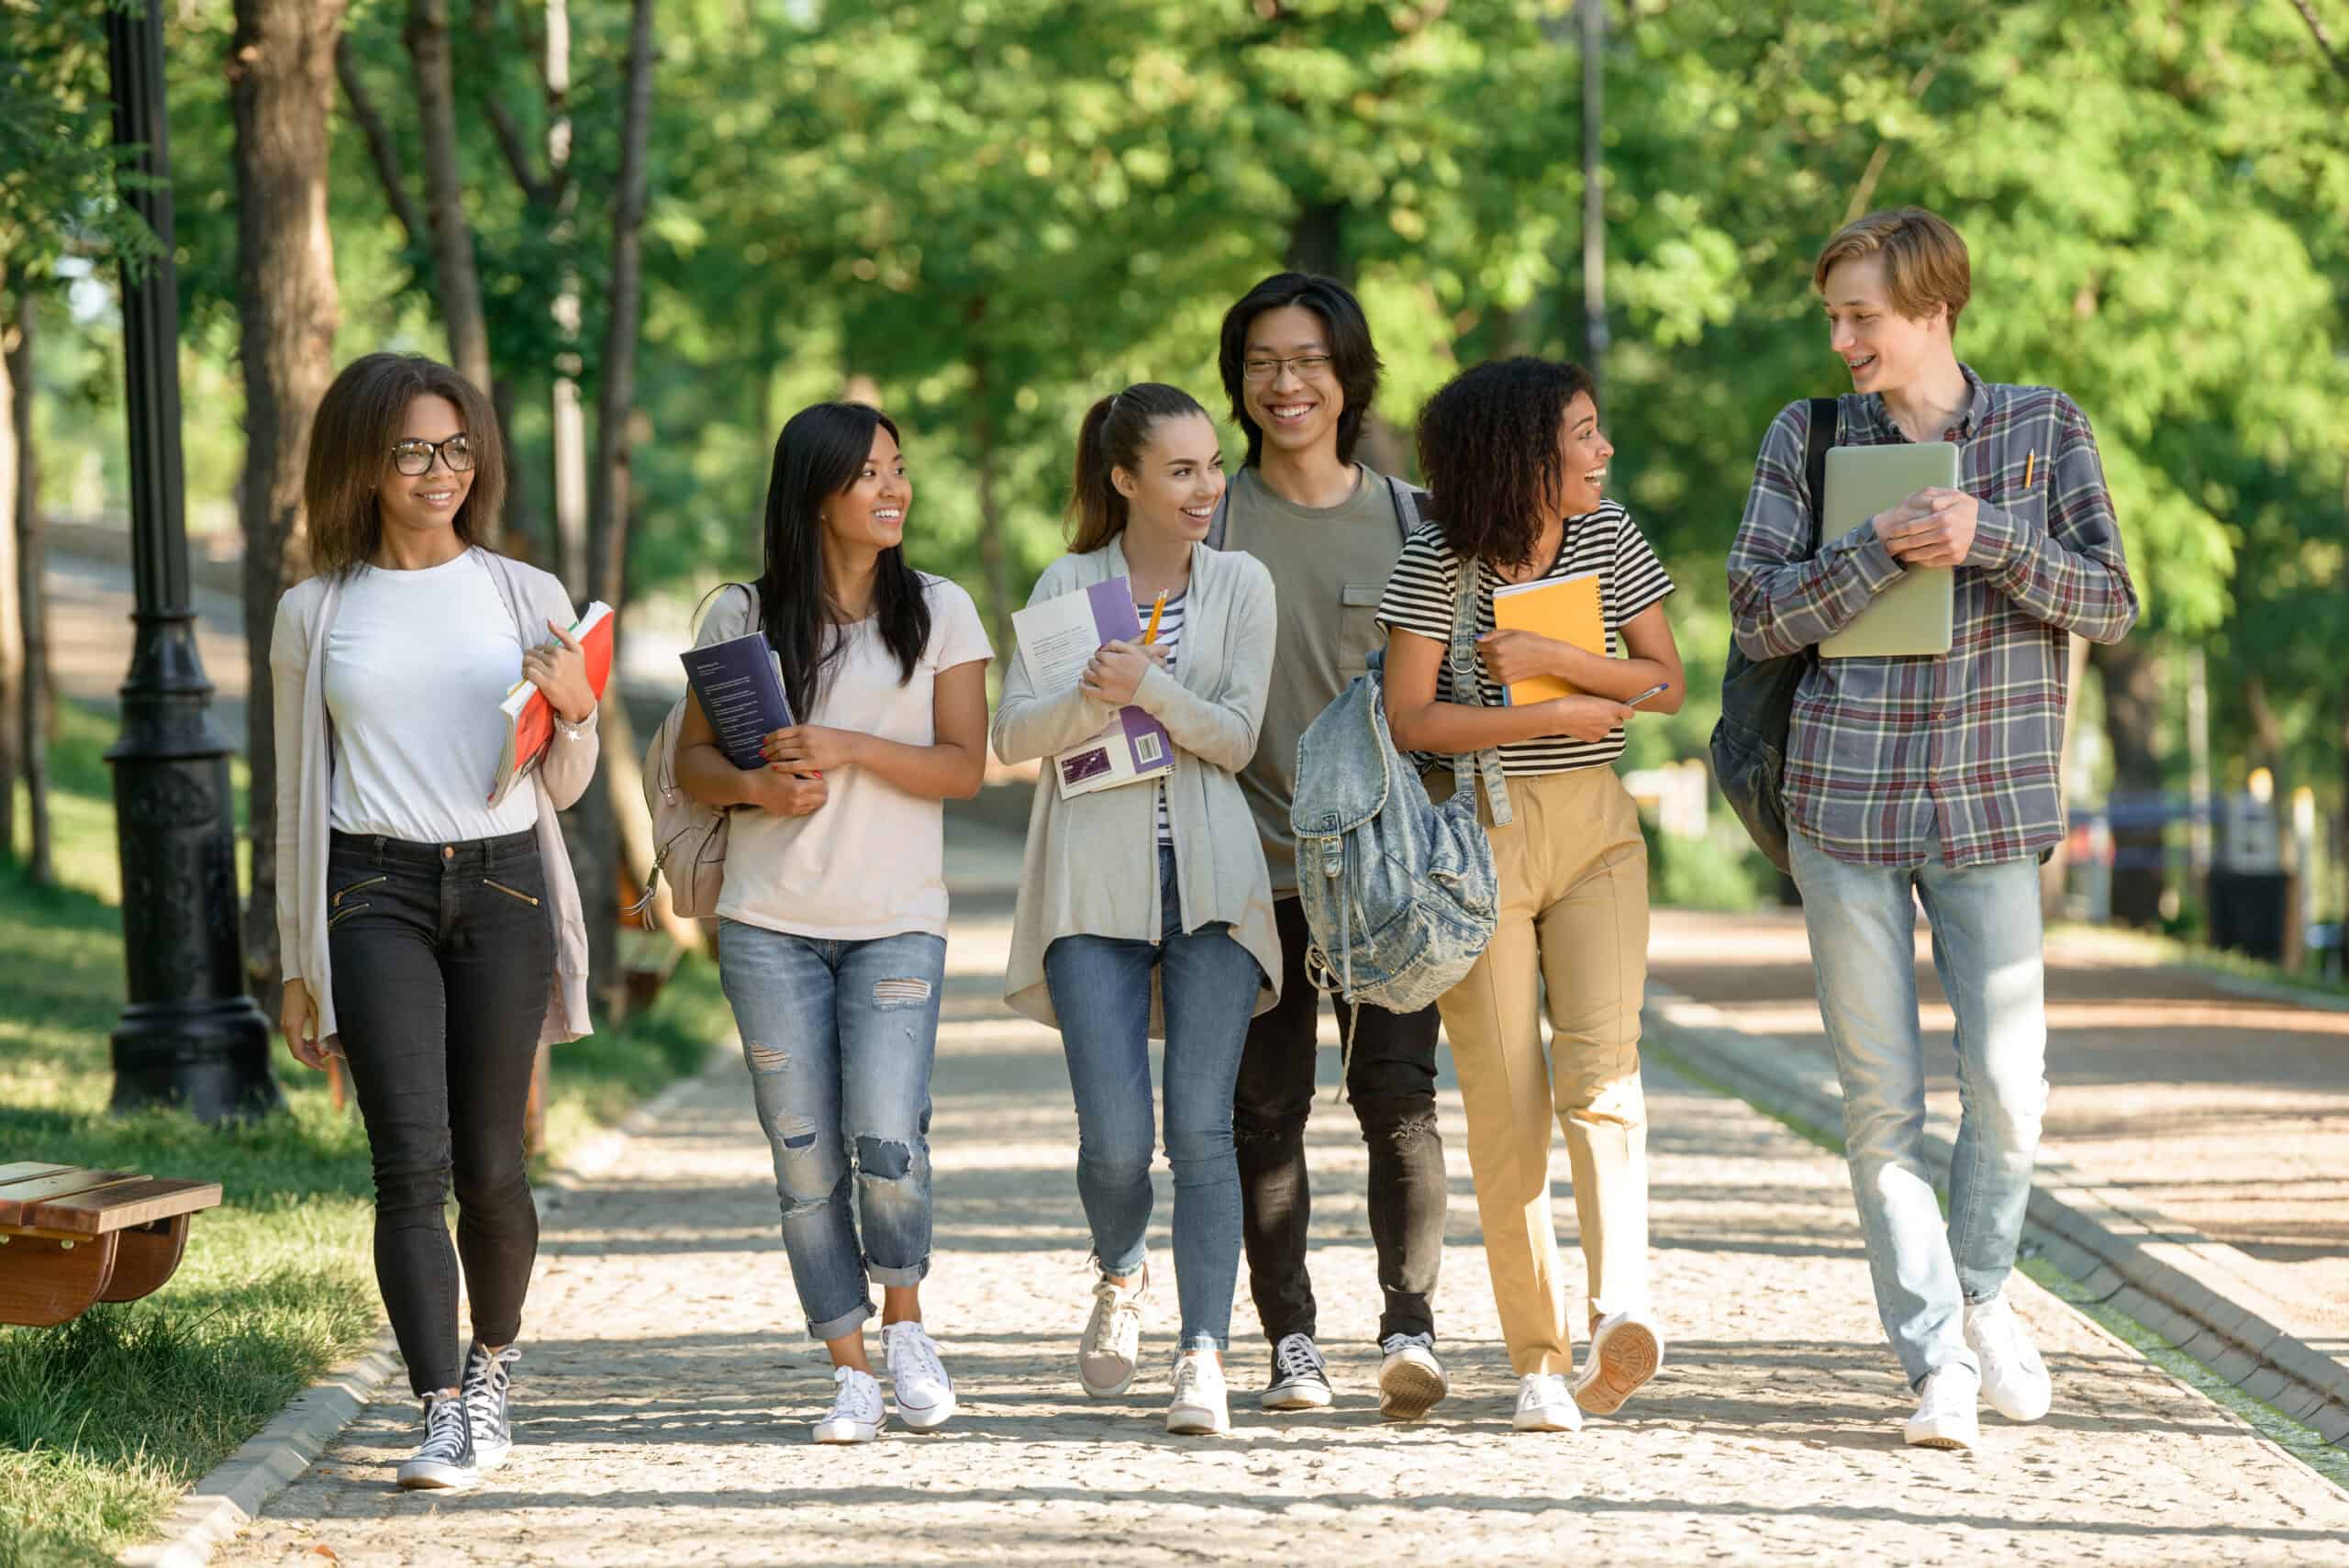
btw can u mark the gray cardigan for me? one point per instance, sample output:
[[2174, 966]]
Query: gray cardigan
[[297, 669], [1091, 867]]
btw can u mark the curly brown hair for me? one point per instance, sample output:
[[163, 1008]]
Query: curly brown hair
[[350, 450], [1489, 450]]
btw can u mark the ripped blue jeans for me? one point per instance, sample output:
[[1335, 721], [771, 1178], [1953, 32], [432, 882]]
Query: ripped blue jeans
[[839, 1037]]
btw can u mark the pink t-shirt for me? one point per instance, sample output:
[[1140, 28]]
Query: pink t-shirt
[[871, 862]]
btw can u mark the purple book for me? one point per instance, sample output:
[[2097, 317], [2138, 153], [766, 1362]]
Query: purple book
[[739, 683], [1056, 638]]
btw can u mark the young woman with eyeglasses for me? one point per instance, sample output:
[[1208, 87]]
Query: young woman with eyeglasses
[[430, 937]]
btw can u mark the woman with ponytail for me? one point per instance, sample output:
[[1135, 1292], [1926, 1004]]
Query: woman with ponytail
[[831, 936], [1146, 910]]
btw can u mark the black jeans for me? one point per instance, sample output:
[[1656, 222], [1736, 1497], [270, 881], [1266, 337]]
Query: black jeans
[[1391, 1082], [443, 955]]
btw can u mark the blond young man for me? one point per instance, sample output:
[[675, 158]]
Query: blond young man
[[1936, 779]]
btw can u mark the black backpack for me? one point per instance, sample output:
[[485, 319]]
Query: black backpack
[[1749, 745]]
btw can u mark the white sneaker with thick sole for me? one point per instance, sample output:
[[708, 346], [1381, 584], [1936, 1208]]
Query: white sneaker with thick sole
[[1946, 1416], [919, 1385], [857, 1413], [2014, 1379], [1300, 1378], [1545, 1403], [1110, 1352], [1625, 1352], [1202, 1404], [1410, 1380]]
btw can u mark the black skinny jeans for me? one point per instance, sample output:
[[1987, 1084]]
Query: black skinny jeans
[[1391, 1083], [443, 955]]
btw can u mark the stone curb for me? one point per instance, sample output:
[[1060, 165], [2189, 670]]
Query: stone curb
[[2180, 1284], [240, 1485]]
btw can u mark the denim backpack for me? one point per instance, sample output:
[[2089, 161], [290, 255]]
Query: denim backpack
[[1749, 745], [1399, 893]]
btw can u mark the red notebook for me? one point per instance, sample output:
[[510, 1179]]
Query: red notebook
[[529, 717]]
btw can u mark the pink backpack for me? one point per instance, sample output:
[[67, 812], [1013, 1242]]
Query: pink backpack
[[688, 836]]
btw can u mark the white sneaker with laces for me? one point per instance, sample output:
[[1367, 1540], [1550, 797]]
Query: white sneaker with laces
[[1410, 1380], [1202, 1404], [1545, 1403], [1301, 1377], [1946, 1416], [919, 1385], [2013, 1377], [445, 1460], [857, 1414], [1625, 1352], [1110, 1352]]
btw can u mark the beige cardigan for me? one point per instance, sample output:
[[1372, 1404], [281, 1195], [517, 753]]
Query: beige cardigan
[[306, 791], [1091, 867]]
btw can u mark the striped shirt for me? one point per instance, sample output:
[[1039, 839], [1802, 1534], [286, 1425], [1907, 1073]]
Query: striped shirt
[[1170, 634], [1887, 758], [1421, 592]]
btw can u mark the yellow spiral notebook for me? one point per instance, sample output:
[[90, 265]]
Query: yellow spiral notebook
[[1564, 609]]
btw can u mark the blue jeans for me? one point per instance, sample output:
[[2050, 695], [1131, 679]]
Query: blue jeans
[[1101, 988], [839, 1037], [1987, 947]]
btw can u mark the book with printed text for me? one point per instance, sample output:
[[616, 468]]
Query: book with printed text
[[739, 684], [529, 717], [1564, 609], [1058, 638]]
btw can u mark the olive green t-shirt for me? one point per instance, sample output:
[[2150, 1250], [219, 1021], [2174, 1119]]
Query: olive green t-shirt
[[1329, 567]]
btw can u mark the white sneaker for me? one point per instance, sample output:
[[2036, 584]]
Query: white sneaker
[[1300, 1379], [1625, 1352], [919, 1385], [1410, 1380], [2013, 1377], [1111, 1349], [1201, 1406], [1944, 1417], [1545, 1403], [857, 1414]]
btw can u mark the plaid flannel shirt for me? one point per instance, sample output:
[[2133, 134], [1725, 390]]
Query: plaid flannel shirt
[[1887, 758]]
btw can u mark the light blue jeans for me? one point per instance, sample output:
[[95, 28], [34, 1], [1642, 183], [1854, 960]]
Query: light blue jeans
[[1985, 927], [839, 1037], [1100, 988]]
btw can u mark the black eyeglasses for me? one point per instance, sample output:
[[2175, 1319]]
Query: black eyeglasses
[[413, 457]]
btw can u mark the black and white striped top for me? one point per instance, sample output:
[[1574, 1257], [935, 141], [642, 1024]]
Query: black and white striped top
[[1170, 637], [1419, 599]]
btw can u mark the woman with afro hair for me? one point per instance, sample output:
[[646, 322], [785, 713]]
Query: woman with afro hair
[[1513, 455]]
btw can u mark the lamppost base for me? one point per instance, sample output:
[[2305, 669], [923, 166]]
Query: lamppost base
[[210, 1057]]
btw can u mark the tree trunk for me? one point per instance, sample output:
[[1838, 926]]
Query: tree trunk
[[567, 419], [12, 640], [597, 847], [1316, 240], [2132, 713], [32, 599], [444, 196], [281, 91], [995, 553]]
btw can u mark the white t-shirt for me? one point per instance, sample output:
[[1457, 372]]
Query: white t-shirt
[[417, 663], [871, 862]]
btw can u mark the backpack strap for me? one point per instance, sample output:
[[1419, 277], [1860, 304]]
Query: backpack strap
[[1407, 506], [1816, 440], [1222, 515], [1465, 692]]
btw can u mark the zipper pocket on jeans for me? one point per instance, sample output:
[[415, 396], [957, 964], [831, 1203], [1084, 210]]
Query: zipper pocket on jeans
[[338, 916], [364, 881], [510, 892]]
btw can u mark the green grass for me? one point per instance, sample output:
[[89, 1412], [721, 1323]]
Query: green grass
[[105, 1420]]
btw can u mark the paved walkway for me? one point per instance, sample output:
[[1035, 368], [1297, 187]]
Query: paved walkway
[[2228, 1112], [665, 1394]]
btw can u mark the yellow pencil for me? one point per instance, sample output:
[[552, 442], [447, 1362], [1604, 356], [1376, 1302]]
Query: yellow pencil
[[2030, 462], [1157, 608]]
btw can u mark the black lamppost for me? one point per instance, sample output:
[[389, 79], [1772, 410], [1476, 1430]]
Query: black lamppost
[[190, 1035]]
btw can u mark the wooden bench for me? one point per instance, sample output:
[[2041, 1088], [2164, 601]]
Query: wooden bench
[[69, 1238]]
